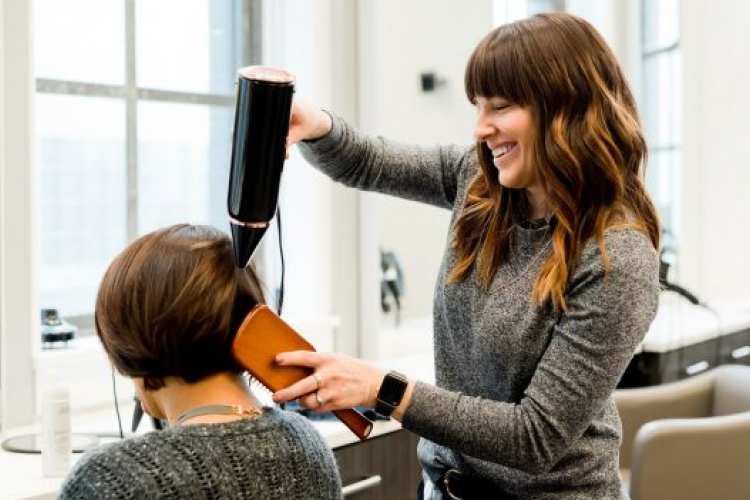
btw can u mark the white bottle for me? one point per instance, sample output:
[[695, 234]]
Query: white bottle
[[56, 445]]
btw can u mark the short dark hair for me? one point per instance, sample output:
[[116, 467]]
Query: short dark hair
[[170, 304]]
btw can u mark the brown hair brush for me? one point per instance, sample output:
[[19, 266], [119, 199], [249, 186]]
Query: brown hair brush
[[263, 335]]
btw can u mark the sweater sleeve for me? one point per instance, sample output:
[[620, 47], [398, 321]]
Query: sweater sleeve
[[591, 345], [428, 175]]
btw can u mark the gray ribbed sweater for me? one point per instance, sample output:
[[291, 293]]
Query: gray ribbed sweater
[[523, 395], [277, 455]]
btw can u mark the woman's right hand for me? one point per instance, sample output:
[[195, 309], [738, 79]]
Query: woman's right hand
[[307, 122]]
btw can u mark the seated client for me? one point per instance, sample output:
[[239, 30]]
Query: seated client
[[167, 311]]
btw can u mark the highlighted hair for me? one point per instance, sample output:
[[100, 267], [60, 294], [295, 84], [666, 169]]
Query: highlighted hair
[[589, 148]]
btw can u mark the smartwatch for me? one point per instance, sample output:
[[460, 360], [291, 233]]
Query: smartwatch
[[391, 392]]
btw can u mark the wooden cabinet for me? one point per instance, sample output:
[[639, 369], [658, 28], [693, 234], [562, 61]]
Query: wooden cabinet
[[652, 368], [735, 349], [382, 468]]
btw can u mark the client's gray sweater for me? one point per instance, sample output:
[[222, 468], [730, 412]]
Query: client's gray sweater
[[277, 455], [523, 395]]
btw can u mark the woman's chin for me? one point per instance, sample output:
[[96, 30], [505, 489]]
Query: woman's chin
[[507, 181]]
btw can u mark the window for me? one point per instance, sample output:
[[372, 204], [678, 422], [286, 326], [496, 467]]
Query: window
[[134, 116], [661, 105], [506, 11], [539, 6]]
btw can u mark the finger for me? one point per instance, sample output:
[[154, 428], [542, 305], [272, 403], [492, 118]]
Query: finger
[[307, 385], [309, 359], [316, 401], [293, 138], [308, 401], [295, 391]]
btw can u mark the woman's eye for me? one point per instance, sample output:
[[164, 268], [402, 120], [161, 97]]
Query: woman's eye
[[487, 107]]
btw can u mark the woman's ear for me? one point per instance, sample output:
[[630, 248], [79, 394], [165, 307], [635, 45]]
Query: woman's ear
[[150, 401]]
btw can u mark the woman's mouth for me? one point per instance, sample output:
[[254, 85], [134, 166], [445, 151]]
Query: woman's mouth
[[503, 150]]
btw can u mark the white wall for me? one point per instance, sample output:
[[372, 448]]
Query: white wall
[[19, 314], [332, 235], [715, 229], [363, 59], [398, 41], [317, 42]]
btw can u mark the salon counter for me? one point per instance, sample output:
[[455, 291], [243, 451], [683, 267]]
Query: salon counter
[[21, 474], [685, 340]]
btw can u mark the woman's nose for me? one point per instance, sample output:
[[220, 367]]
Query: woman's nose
[[483, 129]]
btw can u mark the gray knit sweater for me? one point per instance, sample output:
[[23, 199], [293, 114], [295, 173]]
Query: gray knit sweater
[[278, 455], [523, 392]]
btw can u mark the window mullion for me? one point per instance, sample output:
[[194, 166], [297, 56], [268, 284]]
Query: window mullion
[[661, 80], [663, 49], [184, 97], [66, 87], [251, 33]]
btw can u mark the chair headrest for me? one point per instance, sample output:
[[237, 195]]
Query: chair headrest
[[731, 389]]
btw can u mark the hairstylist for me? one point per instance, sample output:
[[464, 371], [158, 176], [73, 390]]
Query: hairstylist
[[549, 280]]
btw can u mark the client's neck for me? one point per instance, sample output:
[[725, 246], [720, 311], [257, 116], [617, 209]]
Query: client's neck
[[221, 389]]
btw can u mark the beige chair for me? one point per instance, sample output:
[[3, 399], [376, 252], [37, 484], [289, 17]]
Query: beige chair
[[688, 440]]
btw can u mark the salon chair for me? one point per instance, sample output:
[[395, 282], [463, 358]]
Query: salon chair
[[688, 440]]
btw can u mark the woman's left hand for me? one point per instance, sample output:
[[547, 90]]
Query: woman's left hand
[[337, 382]]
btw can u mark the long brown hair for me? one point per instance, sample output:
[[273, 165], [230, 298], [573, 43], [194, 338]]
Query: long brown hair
[[170, 304], [589, 148]]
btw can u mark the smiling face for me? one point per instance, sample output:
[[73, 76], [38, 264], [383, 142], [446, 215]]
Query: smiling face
[[507, 130]]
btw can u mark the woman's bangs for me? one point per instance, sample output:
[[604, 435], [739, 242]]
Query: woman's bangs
[[494, 68]]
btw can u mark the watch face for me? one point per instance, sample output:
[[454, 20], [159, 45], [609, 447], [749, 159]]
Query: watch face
[[392, 389]]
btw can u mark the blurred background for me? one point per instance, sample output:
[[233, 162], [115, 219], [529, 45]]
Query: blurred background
[[117, 116]]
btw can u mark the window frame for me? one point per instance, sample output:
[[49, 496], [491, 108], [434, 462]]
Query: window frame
[[248, 51], [673, 148]]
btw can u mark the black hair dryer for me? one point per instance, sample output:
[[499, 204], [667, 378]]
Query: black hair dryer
[[261, 125]]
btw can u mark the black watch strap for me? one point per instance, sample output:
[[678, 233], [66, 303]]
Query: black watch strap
[[391, 392]]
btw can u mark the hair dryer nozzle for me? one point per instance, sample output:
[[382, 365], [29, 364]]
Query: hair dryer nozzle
[[261, 125], [245, 240]]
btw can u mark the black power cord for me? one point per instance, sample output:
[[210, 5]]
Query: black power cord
[[117, 404], [280, 295], [673, 287], [668, 286]]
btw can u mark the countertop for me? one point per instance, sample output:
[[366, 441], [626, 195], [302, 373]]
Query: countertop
[[21, 474], [680, 324], [676, 325]]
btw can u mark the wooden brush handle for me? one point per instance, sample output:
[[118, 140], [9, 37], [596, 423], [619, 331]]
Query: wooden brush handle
[[355, 421], [260, 338]]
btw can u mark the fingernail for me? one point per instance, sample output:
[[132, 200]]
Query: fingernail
[[279, 360]]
